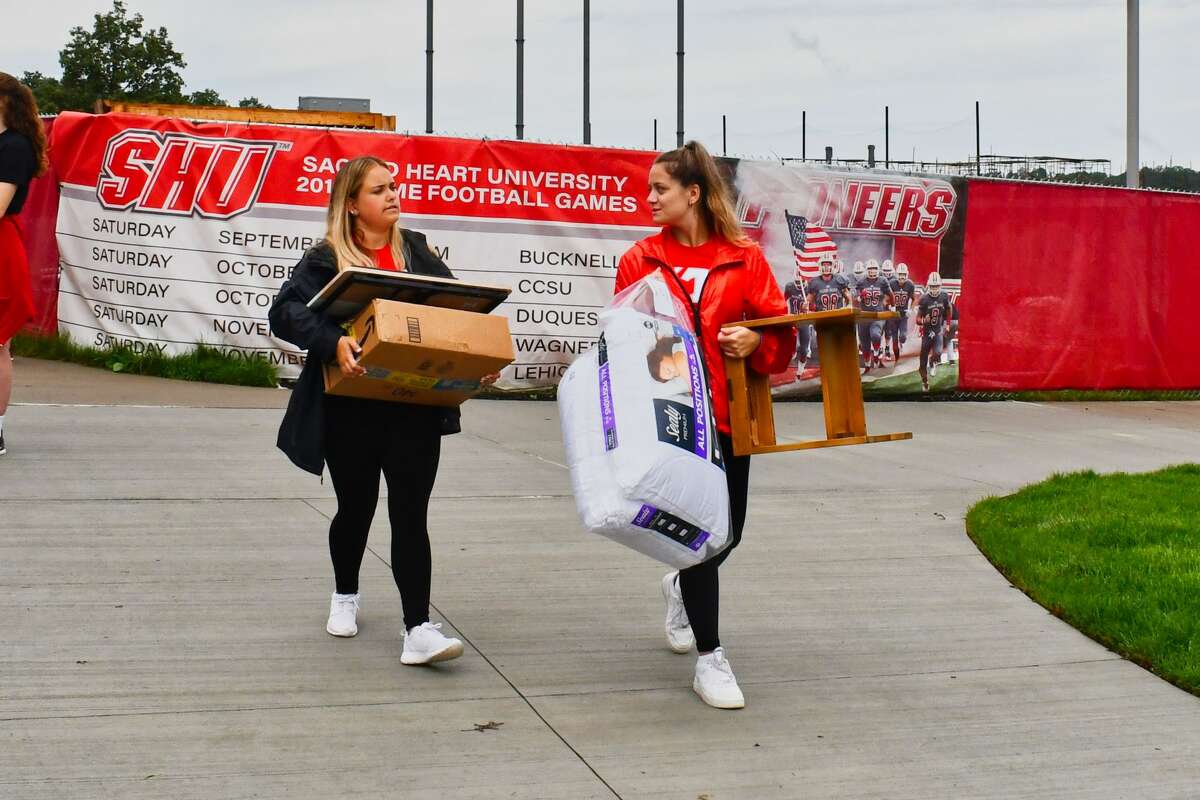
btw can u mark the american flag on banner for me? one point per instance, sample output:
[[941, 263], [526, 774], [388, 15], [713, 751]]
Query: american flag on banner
[[809, 243]]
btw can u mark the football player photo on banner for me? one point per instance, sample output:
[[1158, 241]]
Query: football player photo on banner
[[871, 240]]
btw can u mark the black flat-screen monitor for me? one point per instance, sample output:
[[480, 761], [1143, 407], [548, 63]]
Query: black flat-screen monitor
[[352, 288]]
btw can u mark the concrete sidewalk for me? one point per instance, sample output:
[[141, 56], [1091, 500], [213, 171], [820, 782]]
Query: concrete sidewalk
[[164, 582]]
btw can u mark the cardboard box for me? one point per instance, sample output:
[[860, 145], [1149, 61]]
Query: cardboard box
[[422, 354]]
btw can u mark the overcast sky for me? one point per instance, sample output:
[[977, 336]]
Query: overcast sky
[[1050, 73]]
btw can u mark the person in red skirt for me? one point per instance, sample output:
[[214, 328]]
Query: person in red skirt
[[22, 158]]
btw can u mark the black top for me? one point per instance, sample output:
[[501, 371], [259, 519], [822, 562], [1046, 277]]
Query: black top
[[17, 166], [301, 435]]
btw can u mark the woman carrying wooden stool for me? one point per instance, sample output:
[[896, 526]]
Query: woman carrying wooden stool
[[723, 277]]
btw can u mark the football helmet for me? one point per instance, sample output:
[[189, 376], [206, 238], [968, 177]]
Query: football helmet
[[826, 266], [933, 284], [902, 271]]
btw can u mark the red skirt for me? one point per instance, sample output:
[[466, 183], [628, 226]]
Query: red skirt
[[16, 294]]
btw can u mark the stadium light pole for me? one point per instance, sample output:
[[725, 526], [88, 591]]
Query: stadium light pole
[[587, 72], [887, 160], [1132, 167], [429, 66], [803, 135], [978, 156], [679, 87], [520, 69]]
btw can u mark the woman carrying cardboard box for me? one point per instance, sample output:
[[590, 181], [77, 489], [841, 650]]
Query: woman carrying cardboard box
[[358, 438], [724, 277]]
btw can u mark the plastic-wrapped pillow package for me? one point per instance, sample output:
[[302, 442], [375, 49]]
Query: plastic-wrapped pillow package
[[639, 433]]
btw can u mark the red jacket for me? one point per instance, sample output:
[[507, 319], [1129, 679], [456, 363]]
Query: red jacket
[[740, 286]]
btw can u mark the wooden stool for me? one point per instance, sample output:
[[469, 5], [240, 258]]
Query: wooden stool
[[750, 411]]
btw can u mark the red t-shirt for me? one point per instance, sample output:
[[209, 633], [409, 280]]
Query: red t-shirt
[[691, 264], [383, 258]]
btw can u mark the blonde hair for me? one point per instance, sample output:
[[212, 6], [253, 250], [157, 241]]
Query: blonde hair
[[692, 164], [339, 222]]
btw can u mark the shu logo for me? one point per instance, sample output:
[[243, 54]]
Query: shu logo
[[182, 174]]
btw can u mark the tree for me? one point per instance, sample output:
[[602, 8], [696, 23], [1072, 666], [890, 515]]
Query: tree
[[205, 97], [120, 59], [48, 92]]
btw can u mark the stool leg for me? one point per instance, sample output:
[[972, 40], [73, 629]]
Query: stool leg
[[841, 383], [740, 407]]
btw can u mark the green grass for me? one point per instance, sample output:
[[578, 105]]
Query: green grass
[[1116, 556], [908, 384], [210, 364], [204, 363], [492, 393], [1105, 395]]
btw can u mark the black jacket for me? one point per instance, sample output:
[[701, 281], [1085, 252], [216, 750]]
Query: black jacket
[[301, 435]]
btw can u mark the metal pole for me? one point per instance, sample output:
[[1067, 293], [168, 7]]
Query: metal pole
[[587, 72], [679, 88], [724, 145], [656, 133], [520, 69], [1132, 165], [978, 158], [887, 159], [429, 66], [803, 134]]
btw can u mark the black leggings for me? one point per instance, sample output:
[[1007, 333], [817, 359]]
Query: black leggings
[[700, 585], [363, 438]]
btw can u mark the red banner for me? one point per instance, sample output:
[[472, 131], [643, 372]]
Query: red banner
[[217, 171], [173, 232], [1079, 287]]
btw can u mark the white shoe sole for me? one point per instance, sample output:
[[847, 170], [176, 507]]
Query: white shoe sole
[[341, 634], [680, 649], [451, 651], [730, 705]]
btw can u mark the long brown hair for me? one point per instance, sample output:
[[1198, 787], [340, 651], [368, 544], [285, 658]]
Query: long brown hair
[[692, 164], [21, 115], [339, 223]]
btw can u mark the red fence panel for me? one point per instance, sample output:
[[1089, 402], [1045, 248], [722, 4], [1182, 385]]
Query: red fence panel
[[39, 218], [1075, 287]]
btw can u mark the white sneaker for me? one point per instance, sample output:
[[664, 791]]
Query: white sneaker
[[343, 615], [715, 683], [425, 644], [679, 630]]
